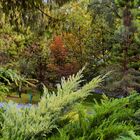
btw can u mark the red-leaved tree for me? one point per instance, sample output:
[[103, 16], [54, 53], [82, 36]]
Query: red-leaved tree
[[60, 62]]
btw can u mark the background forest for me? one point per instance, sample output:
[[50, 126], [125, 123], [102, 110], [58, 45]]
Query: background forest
[[51, 50], [45, 40]]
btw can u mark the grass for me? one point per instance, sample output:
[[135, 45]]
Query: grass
[[24, 98]]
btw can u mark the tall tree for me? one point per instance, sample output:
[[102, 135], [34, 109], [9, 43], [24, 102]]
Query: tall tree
[[104, 15], [120, 17]]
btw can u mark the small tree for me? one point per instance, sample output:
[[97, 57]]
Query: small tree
[[60, 65]]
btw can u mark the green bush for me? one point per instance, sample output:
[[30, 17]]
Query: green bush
[[112, 119], [38, 122], [55, 119]]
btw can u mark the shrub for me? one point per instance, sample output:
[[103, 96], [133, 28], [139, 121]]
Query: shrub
[[37, 122], [112, 119]]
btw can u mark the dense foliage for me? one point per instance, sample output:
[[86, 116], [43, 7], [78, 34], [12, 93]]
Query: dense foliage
[[43, 42], [112, 119], [107, 120], [39, 121]]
